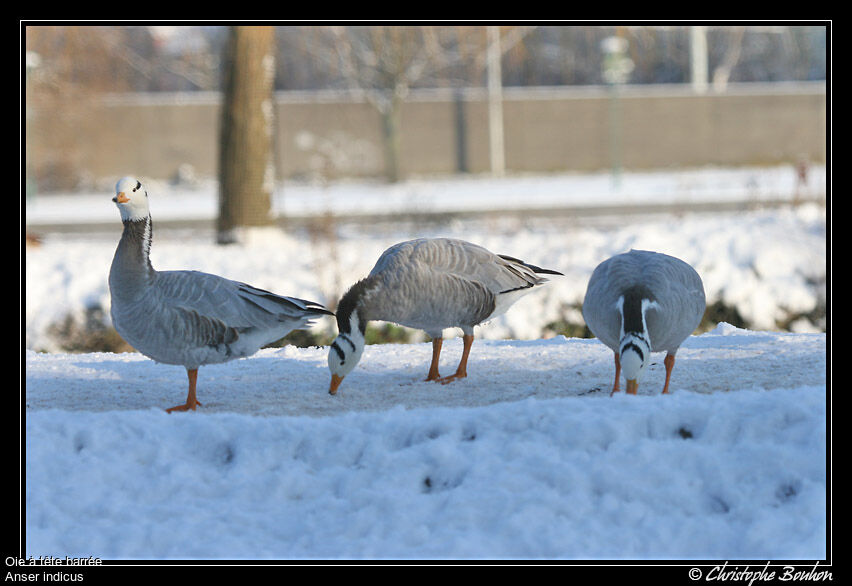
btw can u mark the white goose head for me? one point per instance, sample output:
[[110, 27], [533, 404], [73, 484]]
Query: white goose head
[[345, 351], [131, 199], [634, 347], [634, 353]]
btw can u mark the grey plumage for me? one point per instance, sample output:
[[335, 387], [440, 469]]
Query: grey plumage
[[433, 284], [643, 296], [190, 318], [437, 283]]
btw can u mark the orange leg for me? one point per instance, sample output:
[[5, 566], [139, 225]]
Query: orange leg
[[436, 354], [461, 371], [191, 401], [615, 387], [669, 362]]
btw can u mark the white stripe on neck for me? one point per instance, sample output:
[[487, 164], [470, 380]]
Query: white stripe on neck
[[646, 305]]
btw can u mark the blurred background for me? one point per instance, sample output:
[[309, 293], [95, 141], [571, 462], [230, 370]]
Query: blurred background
[[291, 156]]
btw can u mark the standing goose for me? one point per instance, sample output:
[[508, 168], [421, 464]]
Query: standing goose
[[429, 284], [188, 317], [640, 302]]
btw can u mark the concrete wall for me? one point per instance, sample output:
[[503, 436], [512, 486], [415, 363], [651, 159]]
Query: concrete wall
[[546, 130]]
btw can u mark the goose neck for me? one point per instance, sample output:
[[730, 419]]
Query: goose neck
[[632, 306], [352, 311], [131, 265]]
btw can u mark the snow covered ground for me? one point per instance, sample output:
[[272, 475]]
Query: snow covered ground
[[197, 199], [769, 264], [527, 458]]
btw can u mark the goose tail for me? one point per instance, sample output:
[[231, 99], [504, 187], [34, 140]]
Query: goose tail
[[533, 268]]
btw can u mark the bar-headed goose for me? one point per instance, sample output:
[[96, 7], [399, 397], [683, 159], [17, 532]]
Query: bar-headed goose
[[640, 302], [189, 318], [429, 284]]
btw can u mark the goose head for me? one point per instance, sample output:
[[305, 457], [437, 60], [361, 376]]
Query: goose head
[[634, 355], [634, 346], [131, 199], [346, 349]]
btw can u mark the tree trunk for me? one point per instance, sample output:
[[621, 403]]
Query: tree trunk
[[495, 103], [391, 137], [246, 171]]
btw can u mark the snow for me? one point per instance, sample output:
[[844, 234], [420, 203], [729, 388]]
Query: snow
[[769, 264], [527, 458], [196, 199]]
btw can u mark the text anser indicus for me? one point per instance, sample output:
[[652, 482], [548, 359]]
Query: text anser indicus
[[640, 302], [429, 284], [189, 318]]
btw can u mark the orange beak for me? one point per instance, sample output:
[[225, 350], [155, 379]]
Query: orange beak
[[121, 198], [335, 382], [632, 385]]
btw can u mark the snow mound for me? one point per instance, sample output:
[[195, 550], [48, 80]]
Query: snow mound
[[528, 458]]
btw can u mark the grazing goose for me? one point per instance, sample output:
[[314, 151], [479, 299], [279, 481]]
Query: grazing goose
[[429, 284], [188, 317], [640, 302]]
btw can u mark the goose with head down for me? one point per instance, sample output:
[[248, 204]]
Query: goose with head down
[[429, 284], [189, 318], [640, 302]]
